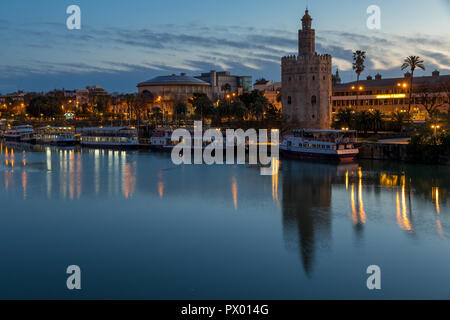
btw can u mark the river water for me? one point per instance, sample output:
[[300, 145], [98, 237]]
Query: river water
[[140, 227]]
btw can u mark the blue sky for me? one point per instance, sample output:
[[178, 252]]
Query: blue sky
[[123, 42]]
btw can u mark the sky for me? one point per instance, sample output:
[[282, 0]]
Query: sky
[[124, 42]]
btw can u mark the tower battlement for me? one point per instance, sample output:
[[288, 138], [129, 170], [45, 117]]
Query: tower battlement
[[307, 58]]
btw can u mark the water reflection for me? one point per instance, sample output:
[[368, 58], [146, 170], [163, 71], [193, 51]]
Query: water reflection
[[68, 173], [306, 203], [312, 191], [313, 198]]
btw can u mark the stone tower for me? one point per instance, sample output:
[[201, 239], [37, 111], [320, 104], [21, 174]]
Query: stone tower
[[307, 83]]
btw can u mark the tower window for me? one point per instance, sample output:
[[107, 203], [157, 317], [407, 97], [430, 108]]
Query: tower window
[[289, 100], [314, 78], [313, 100]]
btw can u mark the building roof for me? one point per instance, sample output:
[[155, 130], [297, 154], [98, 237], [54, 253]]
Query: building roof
[[393, 82], [174, 80]]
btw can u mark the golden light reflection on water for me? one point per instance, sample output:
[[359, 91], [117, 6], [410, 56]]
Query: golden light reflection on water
[[275, 177], [129, 180], [234, 191], [346, 180], [161, 185], [24, 184], [63, 168], [357, 203], [435, 197]]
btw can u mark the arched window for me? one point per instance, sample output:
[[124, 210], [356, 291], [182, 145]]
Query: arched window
[[313, 100]]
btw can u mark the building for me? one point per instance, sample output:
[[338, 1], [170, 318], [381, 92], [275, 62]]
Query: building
[[167, 90], [392, 95], [267, 86], [176, 87], [271, 91], [173, 88], [223, 83], [89, 95], [307, 83]]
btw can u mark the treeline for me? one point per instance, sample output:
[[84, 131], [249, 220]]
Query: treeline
[[428, 146], [374, 121]]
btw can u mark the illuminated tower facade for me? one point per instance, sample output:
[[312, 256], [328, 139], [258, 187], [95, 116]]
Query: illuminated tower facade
[[307, 83]]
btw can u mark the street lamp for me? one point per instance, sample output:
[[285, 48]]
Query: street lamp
[[435, 127]]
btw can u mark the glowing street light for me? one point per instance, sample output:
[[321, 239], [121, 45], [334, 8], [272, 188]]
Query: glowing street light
[[435, 127]]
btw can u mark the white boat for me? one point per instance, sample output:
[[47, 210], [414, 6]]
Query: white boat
[[61, 136], [109, 137], [321, 144], [23, 133], [161, 140]]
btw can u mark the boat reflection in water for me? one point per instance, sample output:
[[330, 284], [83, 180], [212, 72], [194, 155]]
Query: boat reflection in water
[[70, 172]]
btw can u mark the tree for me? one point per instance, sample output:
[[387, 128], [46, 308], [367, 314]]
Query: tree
[[255, 102], [412, 62], [345, 117], [359, 57], [377, 120], [181, 109], [157, 113], [202, 105], [272, 113], [103, 103], [399, 118], [47, 106], [261, 81], [238, 110], [226, 87], [362, 120], [429, 96]]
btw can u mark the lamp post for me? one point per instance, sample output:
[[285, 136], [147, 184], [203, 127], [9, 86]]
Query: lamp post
[[435, 127]]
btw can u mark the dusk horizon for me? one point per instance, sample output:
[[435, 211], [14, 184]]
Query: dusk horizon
[[120, 45]]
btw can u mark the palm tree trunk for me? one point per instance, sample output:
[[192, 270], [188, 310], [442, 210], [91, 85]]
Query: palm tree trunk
[[357, 91], [410, 93]]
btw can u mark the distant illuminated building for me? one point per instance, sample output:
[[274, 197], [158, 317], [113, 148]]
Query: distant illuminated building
[[390, 95]]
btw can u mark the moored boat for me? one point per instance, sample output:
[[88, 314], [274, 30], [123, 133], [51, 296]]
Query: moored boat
[[60, 136], [23, 133], [161, 140], [109, 137], [337, 145]]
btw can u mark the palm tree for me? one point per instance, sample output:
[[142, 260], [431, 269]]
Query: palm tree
[[412, 62], [345, 117], [362, 120], [398, 118], [359, 57], [377, 119]]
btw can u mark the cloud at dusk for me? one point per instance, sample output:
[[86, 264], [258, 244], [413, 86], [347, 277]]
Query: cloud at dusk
[[41, 55]]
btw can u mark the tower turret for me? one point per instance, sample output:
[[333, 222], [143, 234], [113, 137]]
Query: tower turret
[[306, 36]]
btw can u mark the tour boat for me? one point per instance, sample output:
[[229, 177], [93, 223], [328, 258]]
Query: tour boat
[[161, 140], [321, 144], [109, 137], [20, 133], [61, 136]]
